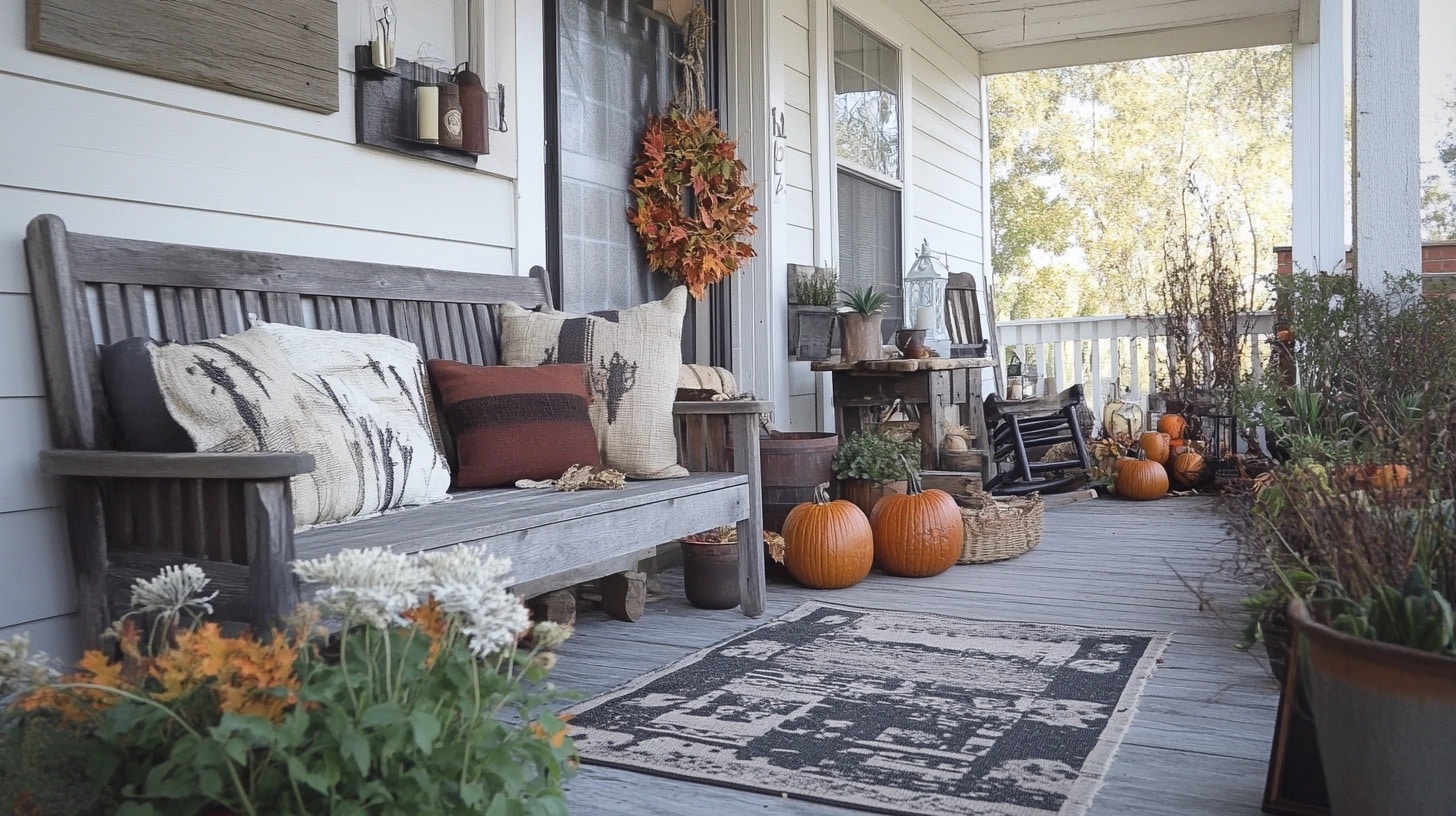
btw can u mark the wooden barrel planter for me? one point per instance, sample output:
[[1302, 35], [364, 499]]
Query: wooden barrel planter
[[791, 465]]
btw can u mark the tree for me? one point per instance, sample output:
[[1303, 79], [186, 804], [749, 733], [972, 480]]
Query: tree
[[1086, 162], [1438, 207]]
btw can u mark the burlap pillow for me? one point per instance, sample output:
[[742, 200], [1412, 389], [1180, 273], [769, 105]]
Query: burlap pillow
[[632, 358], [379, 446], [353, 401]]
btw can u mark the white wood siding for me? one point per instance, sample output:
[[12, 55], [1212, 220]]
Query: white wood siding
[[117, 153], [941, 144], [797, 382]]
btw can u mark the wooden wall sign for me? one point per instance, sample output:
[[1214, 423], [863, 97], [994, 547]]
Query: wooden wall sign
[[280, 50]]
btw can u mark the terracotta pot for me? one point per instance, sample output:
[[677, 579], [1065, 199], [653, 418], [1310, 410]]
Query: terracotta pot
[[1386, 719], [862, 336], [864, 494], [710, 575]]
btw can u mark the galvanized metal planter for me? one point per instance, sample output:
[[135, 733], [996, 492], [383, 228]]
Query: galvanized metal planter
[[1386, 717]]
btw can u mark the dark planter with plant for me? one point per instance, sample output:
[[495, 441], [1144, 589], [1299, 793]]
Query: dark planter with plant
[[1365, 547], [710, 569], [812, 319], [861, 326], [869, 465], [1381, 680]]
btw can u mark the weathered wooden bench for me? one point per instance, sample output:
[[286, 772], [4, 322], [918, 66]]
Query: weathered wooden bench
[[130, 513]]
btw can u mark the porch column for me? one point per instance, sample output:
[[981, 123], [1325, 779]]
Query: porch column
[[1386, 80], [757, 326], [1319, 138]]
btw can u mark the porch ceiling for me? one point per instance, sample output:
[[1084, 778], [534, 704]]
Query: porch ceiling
[[1024, 35]]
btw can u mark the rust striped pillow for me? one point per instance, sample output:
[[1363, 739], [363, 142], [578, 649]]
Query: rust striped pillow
[[515, 423]]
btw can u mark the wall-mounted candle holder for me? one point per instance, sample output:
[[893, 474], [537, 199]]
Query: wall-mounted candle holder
[[395, 108], [382, 25]]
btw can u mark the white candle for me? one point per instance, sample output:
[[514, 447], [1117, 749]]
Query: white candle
[[925, 317], [427, 113]]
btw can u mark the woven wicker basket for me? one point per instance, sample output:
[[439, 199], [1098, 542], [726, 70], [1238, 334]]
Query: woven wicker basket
[[996, 529]]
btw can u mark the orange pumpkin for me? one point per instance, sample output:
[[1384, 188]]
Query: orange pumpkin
[[919, 534], [1173, 425], [1141, 479], [1154, 445], [1386, 477], [1188, 468], [829, 543]]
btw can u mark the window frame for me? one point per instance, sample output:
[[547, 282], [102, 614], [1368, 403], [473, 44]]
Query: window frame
[[898, 180], [899, 184]]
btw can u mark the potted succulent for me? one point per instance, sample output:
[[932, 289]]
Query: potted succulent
[[860, 315], [870, 465]]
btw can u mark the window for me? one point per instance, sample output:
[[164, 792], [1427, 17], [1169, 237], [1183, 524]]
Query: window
[[866, 99], [867, 144]]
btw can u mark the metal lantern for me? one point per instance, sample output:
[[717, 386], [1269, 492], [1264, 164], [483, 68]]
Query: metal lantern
[[925, 294], [1222, 433]]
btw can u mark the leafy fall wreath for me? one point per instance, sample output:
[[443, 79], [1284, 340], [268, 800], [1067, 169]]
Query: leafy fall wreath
[[693, 208]]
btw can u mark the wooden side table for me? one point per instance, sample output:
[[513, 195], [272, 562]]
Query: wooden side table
[[944, 390]]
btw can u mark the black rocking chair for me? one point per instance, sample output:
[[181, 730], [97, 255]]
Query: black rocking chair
[[1018, 425]]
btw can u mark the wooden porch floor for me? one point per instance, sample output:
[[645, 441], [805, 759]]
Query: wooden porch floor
[[1198, 745]]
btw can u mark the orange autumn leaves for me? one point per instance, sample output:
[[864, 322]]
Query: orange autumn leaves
[[246, 676], [692, 207]]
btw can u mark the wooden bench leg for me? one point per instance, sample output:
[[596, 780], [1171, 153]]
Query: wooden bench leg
[[624, 595], [268, 517], [557, 607]]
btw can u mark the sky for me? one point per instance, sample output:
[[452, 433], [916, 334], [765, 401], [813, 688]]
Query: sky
[[1438, 75]]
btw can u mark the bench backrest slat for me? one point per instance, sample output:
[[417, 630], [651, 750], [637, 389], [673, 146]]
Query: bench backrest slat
[[93, 290]]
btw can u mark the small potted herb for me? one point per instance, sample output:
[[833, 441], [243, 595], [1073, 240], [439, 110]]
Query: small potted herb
[[870, 464], [811, 311]]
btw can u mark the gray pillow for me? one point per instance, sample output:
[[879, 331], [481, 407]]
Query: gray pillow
[[138, 413]]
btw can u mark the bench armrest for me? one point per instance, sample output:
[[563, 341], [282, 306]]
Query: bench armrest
[[709, 407], [134, 465]]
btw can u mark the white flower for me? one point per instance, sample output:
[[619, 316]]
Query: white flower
[[19, 670], [549, 634], [174, 589], [372, 586], [473, 589]]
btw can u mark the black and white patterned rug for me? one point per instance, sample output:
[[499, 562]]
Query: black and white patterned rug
[[891, 712]]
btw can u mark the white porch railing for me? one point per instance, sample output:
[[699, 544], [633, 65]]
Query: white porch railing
[[1103, 353]]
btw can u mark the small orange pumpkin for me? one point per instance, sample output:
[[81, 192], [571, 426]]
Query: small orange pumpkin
[[919, 534], [1188, 468], [1155, 445], [1173, 425], [1387, 477], [829, 543], [1141, 479]]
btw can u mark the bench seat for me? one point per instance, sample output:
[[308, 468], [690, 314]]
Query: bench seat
[[128, 514]]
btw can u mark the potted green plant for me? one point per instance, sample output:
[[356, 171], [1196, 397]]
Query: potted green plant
[[860, 316], [811, 311], [418, 704], [1370, 562], [870, 464]]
